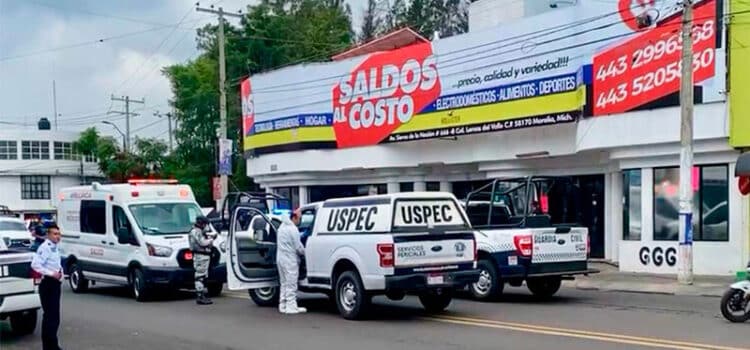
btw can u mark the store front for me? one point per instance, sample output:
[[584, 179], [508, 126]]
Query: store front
[[406, 121]]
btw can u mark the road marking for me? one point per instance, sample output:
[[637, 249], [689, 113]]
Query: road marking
[[573, 333]]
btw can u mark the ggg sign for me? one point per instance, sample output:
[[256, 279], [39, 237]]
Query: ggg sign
[[385, 91], [658, 256]]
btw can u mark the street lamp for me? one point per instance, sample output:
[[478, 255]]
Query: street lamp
[[118, 130]]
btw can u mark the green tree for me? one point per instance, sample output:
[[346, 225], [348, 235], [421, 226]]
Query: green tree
[[147, 160], [426, 17], [272, 34], [372, 22]]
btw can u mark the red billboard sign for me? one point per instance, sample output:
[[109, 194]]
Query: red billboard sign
[[383, 92], [647, 66], [248, 110]]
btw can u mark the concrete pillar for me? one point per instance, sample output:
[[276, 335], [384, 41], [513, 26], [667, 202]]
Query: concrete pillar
[[394, 187], [420, 186], [446, 186], [304, 195]]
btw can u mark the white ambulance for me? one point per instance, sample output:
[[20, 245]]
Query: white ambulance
[[133, 234]]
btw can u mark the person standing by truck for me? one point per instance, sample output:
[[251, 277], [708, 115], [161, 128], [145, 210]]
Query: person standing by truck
[[289, 249], [201, 242], [47, 263]]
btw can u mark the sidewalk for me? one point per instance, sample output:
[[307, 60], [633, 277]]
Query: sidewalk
[[610, 279]]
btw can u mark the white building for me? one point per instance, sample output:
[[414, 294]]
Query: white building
[[34, 165], [625, 160]]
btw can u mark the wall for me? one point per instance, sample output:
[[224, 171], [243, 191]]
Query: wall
[[11, 193], [484, 14], [739, 71], [710, 258]]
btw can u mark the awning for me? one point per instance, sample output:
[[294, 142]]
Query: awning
[[743, 165]]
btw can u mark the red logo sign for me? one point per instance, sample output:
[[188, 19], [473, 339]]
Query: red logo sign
[[631, 9], [382, 93], [648, 66], [248, 109]]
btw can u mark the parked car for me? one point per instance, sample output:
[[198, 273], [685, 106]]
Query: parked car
[[19, 301]]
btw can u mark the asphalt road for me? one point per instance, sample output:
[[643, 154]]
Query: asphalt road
[[106, 318]]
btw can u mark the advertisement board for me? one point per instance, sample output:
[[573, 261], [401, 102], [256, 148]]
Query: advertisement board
[[739, 71], [592, 59]]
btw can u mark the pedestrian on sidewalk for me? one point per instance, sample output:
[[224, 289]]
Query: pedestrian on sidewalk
[[201, 241], [47, 263]]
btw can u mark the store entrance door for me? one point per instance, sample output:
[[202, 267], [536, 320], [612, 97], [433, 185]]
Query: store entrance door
[[591, 209]]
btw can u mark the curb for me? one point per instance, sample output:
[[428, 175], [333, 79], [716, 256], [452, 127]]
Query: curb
[[644, 291]]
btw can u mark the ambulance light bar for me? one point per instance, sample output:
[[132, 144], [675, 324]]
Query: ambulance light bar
[[152, 182]]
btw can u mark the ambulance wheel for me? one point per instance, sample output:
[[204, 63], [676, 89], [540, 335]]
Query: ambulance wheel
[[436, 301], [214, 289], [265, 297], [138, 286], [544, 287], [78, 283], [489, 286], [351, 297]]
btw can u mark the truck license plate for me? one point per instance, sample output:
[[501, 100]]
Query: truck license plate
[[435, 279]]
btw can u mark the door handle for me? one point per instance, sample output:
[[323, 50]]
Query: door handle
[[104, 242], [111, 243]]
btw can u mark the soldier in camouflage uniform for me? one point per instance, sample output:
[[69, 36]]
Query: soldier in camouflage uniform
[[201, 241]]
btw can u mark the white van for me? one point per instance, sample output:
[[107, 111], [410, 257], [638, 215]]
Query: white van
[[133, 234]]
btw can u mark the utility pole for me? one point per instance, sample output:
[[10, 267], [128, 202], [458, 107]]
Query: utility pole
[[169, 121], [54, 101], [127, 115], [685, 266], [222, 89]]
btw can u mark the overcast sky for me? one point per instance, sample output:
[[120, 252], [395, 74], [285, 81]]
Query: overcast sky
[[46, 40]]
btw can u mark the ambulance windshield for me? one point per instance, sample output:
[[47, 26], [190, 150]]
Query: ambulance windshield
[[165, 218]]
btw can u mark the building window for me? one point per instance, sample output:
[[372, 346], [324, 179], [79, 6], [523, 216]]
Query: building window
[[90, 158], [8, 150], [631, 205], [35, 150], [406, 187], [64, 151], [35, 187], [710, 189], [432, 186]]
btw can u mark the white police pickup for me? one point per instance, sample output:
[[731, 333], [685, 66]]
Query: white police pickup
[[19, 300], [397, 244], [525, 233]]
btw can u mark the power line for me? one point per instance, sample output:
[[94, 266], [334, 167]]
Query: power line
[[92, 42], [154, 51], [570, 47], [95, 14]]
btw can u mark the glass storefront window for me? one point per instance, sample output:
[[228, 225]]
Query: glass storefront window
[[631, 205], [710, 203]]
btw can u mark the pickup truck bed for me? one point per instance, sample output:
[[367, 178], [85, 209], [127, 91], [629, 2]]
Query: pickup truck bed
[[19, 300]]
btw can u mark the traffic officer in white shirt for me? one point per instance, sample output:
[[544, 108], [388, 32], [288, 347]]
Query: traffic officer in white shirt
[[47, 263]]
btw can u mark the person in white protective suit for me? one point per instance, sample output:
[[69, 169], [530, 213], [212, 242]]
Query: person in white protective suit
[[289, 251]]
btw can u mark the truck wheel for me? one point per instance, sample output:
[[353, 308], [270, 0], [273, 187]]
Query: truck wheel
[[436, 301], [351, 298], [139, 287], [214, 289], [265, 297], [78, 283], [544, 287], [489, 286], [24, 322]]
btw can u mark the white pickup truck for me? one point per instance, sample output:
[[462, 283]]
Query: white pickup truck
[[527, 232], [19, 300], [398, 244]]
